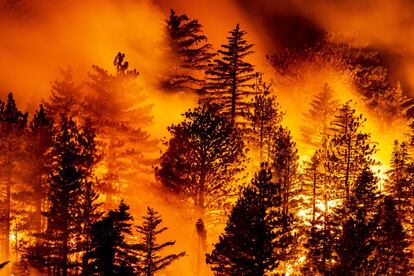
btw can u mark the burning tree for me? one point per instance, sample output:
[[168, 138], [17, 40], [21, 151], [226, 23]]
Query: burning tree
[[189, 53], [229, 77], [149, 249], [115, 109]]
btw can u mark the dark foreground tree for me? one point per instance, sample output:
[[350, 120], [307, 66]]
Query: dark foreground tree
[[149, 249], [247, 247], [229, 78], [111, 254], [73, 155], [356, 242], [189, 54], [391, 253]]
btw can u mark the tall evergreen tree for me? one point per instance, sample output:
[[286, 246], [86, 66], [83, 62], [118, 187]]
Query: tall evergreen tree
[[65, 97], [356, 241], [317, 118], [201, 164], [151, 261], [284, 163], [203, 158], [13, 125], [400, 186], [247, 246], [41, 133], [351, 150], [116, 109], [229, 77], [390, 255], [189, 54], [262, 118], [111, 253], [73, 155]]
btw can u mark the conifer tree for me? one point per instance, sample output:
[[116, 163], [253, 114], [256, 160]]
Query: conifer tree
[[317, 118], [111, 253], [356, 241], [400, 186], [116, 108], [247, 246], [41, 132], [351, 150], [65, 97], [390, 255], [203, 158], [13, 125], [284, 163], [189, 52], [149, 249], [229, 77], [73, 155], [262, 118]]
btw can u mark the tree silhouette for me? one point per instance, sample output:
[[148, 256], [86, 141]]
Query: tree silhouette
[[65, 97], [13, 125], [351, 150], [356, 241], [40, 143], [261, 120], [151, 261], [111, 254], [390, 255], [203, 158], [247, 246], [229, 77], [189, 54], [73, 155]]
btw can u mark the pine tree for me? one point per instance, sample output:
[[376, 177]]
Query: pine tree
[[390, 255], [284, 163], [229, 77], [320, 114], [400, 186], [151, 261], [72, 156], [116, 109], [203, 158], [65, 97], [247, 245], [40, 143], [13, 125], [351, 150], [111, 253], [356, 241], [189, 52], [262, 118]]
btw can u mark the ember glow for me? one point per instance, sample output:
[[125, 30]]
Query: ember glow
[[268, 137]]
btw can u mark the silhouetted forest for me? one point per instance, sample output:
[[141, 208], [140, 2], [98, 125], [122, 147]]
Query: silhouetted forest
[[71, 170]]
